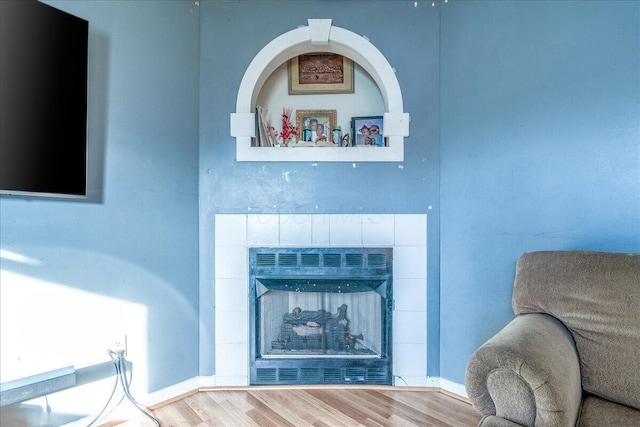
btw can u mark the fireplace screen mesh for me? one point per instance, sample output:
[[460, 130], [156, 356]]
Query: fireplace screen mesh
[[320, 323]]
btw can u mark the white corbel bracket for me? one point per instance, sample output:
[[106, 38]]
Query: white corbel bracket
[[319, 30], [396, 124], [243, 124]]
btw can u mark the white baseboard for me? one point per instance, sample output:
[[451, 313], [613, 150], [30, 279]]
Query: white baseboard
[[433, 382], [171, 392], [447, 385], [208, 381]]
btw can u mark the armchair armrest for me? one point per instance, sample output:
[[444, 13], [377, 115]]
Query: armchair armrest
[[528, 373]]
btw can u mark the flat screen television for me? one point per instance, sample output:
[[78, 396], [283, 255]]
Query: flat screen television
[[43, 95]]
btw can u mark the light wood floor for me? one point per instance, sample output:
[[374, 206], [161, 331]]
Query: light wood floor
[[318, 407]]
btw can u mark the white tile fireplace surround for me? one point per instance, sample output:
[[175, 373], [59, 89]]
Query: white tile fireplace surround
[[236, 233]]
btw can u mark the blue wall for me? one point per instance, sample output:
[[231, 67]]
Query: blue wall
[[136, 237], [539, 148], [524, 136]]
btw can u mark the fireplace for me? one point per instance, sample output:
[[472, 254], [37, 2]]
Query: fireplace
[[320, 315], [226, 342]]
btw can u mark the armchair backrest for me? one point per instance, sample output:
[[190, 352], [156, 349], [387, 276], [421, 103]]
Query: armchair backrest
[[596, 295]]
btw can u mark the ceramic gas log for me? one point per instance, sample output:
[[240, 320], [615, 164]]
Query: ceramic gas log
[[316, 330]]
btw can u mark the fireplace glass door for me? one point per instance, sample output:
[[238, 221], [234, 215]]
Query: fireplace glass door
[[320, 318]]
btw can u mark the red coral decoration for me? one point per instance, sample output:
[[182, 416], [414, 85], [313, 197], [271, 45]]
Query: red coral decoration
[[288, 130]]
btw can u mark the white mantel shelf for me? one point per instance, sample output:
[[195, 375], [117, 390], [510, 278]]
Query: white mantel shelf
[[321, 154], [319, 36]]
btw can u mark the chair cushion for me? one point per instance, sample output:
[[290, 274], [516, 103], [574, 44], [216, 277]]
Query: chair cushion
[[596, 295], [597, 412]]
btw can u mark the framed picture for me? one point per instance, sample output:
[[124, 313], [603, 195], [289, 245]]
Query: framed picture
[[314, 73], [313, 125], [367, 131]]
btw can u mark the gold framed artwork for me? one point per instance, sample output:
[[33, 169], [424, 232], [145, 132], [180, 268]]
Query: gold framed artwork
[[315, 125], [322, 72]]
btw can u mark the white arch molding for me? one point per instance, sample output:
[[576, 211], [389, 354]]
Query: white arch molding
[[319, 36]]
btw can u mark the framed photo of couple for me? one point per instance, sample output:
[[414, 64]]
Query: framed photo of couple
[[314, 125], [367, 131]]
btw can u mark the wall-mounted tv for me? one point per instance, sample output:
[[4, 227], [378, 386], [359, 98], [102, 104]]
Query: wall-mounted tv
[[43, 95]]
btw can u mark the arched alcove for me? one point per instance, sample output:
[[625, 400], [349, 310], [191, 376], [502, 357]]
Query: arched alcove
[[320, 36]]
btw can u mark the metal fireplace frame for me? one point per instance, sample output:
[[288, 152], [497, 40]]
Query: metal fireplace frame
[[292, 266]]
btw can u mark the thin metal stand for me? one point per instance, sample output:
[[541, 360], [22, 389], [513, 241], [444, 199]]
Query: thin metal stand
[[119, 362]]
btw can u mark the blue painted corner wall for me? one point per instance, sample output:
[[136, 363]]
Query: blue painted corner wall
[[525, 135], [539, 148], [135, 238]]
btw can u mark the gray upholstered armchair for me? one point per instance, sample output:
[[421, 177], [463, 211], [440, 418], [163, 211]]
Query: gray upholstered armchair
[[571, 357]]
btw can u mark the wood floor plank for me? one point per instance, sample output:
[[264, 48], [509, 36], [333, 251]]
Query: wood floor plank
[[419, 416], [375, 413], [208, 409], [374, 403], [440, 405], [342, 405], [418, 402], [325, 413], [187, 413], [221, 411], [266, 412], [397, 421], [314, 407], [288, 406], [238, 417]]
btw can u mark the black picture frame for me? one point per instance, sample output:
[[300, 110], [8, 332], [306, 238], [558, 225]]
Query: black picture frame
[[360, 139]]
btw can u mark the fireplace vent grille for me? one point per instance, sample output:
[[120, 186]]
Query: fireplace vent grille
[[266, 259], [271, 259], [354, 260], [266, 375], [310, 376], [332, 260], [377, 260], [288, 375], [276, 376], [287, 260], [377, 376], [310, 260]]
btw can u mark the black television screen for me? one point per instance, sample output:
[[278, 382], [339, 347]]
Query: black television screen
[[43, 95]]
